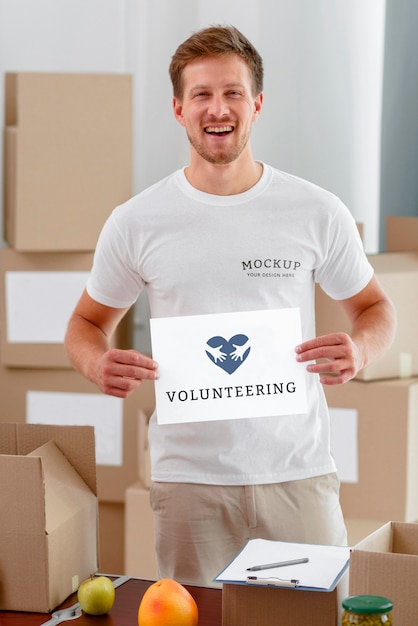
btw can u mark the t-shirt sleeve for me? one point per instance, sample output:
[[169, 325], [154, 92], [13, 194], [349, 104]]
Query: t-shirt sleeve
[[114, 280], [346, 269]]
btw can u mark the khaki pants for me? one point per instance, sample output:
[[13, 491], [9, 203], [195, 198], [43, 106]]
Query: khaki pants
[[200, 528]]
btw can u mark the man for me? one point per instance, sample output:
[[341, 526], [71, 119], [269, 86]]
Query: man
[[187, 239]]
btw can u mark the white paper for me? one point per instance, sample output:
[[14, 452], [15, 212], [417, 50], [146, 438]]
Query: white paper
[[39, 304], [103, 412], [228, 366], [325, 567], [344, 443]]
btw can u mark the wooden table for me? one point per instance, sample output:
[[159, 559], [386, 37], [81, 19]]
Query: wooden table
[[125, 609]]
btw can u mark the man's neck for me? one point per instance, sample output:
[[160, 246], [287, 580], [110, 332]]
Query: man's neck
[[224, 180]]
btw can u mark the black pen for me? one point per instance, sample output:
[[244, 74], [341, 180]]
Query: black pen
[[257, 568]]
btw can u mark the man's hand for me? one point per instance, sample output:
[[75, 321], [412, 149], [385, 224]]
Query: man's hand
[[340, 356], [119, 372], [116, 372], [337, 358]]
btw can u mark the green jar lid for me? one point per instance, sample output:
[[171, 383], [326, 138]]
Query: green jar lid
[[367, 604]]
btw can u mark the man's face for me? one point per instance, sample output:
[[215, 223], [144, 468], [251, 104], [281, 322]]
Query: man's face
[[218, 107]]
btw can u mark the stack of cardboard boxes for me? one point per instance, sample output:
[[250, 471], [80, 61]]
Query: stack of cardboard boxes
[[380, 501], [383, 399], [67, 164]]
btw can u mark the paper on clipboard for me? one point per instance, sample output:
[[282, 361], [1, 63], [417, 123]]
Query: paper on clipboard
[[322, 572]]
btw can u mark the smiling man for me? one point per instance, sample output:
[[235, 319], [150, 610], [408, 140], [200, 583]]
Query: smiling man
[[227, 234], [217, 107], [215, 100]]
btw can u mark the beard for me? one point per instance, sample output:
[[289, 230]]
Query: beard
[[218, 155]]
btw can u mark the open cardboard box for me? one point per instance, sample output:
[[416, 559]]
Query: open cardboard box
[[386, 563], [48, 521]]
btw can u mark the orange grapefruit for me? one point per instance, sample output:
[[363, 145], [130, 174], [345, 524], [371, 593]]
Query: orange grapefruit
[[167, 603]]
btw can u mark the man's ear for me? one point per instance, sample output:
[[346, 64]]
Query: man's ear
[[178, 110], [258, 105]]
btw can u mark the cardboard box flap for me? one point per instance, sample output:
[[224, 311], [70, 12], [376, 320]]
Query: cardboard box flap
[[77, 444], [405, 538], [393, 537], [65, 491], [21, 486], [378, 541]]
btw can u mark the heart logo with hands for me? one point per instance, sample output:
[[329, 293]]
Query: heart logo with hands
[[230, 354]]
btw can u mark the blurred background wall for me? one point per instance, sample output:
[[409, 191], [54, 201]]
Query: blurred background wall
[[341, 84]]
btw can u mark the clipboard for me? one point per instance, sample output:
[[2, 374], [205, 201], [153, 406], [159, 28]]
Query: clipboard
[[324, 568]]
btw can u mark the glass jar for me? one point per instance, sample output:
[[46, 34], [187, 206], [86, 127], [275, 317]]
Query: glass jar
[[367, 611]]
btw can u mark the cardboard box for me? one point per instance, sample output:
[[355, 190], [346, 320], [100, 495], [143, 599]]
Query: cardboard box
[[68, 157], [317, 601], [48, 524], [140, 559], [38, 293], [112, 537], [387, 426], [113, 481], [244, 605], [401, 233], [386, 563], [56, 387], [398, 274]]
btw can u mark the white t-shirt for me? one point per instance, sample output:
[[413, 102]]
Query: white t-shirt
[[198, 253]]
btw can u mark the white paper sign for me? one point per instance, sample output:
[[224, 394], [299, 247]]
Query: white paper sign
[[105, 413], [228, 366], [39, 304], [344, 443]]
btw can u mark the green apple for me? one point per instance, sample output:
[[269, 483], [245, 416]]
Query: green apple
[[96, 595]]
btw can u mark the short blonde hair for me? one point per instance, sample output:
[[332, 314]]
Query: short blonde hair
[[216, 41]]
